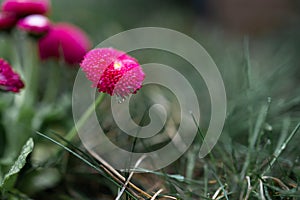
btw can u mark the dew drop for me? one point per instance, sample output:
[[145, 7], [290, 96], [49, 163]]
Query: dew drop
[[120, 99]]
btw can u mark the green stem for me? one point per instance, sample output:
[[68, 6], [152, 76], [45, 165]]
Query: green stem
[[52, 83], [18, 54], [72, 133], [19, 117], [32, 73], [6, 46], [30, 67]]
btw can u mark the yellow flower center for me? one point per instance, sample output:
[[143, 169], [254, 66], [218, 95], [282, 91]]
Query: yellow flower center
[[117, 65]]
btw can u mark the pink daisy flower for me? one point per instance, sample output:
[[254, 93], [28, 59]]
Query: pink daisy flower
[[7, 20], [9, 80], [34, 24], [26, 7], [64, 41], [112, 71]]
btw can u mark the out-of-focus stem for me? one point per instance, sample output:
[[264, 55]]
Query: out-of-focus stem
[[31, 72], [52, 83]]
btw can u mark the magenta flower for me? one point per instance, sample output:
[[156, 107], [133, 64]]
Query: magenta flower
[[34, 24], [26, 7], [112, 71], [64, 41], [9, 80], [7, 20]]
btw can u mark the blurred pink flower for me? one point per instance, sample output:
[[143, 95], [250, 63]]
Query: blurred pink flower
[[64, 41], [9, 80], [26, 7], [34, 24], [7, 20], [112, 71]]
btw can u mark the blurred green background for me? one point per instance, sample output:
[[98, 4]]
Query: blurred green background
[[271, 28], [236, 33]]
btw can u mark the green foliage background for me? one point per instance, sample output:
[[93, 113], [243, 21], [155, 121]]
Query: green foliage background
[[256, 65]]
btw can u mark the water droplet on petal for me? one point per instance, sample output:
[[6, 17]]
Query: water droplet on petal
[[120, 99]]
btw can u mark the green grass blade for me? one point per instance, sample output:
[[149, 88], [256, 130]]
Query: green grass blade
[[84, 160], [281, 149]]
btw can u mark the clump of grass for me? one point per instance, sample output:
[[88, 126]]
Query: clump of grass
[[255, 158]]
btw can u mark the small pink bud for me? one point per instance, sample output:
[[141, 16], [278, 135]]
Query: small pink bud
[[34, 24], [26, 7], [9, 80], [112, 71], [7, 20], [64, 41]]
